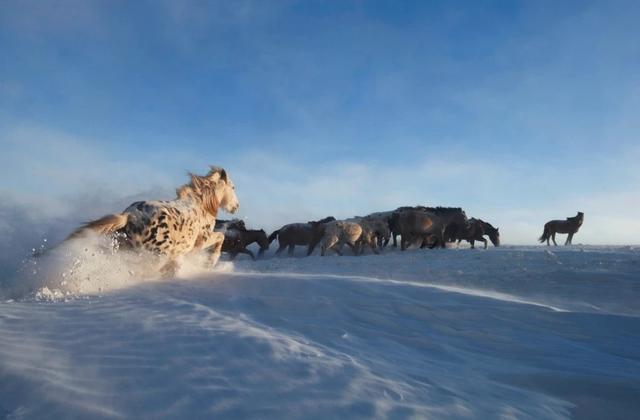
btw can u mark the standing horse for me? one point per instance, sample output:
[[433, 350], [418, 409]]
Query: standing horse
[[294, 234], [223, 225], [383, 217], [237, 240], [374, 232], [174, 228], [341, 232], [570, 226], [492, 232], [416, 225], [450, 219], [475, 232]]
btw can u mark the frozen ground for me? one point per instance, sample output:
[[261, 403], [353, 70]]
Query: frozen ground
[[512, 332]]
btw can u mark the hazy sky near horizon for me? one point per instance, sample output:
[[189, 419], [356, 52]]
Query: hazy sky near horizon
[[517, 111]]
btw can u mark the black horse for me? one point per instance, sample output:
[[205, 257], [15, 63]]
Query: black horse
[[237, 240]]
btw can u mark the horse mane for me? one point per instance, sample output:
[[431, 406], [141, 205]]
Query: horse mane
[[325, 220], [203, 190], [485, 225], [443, 210], [237, 224], [437, 210], [576, 217]]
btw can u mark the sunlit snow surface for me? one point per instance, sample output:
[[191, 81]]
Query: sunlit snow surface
[[511, 332]]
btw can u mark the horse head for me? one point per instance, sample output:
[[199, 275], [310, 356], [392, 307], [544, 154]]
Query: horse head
[[224, 188], [494, 236]]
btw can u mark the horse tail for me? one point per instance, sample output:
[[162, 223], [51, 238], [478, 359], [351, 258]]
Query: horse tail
[[273, 236], [104, 226], [545, 234]]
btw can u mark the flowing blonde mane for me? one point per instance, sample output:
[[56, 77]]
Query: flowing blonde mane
[[201, 189]]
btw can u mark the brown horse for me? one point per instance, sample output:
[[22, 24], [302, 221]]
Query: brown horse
[[414, 225], [570, 226], [448, 219], [475, 232], [293, 234], [237, 240], [222, 225]]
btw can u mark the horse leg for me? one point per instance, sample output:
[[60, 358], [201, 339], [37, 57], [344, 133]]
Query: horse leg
[[374, 246], [354, 248], [337, 246], [281, 248], [403, 243], [291, 249], [310, 249], [212, 242], [169, 269], [248, 252], [569, 238], [553, 238], [485, 242], [328, 244], [473, 243]]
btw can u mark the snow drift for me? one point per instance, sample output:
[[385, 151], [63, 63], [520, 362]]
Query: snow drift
[[511, 332]]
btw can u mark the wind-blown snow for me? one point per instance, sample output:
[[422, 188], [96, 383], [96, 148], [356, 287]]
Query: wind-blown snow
[[509, 332]]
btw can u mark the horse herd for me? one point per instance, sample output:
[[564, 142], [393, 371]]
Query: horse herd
[[422, 226], [188, 224]]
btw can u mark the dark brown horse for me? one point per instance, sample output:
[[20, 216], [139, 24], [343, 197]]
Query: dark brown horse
[[475, 232], [237, 240], [570, 226], [449, 219], [293, 234], [414, 225], [222, 225]]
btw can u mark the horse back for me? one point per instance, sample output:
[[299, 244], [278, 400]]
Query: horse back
[[167, 227], [296, 234], [415, 221]]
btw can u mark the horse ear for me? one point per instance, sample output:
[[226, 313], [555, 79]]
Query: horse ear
[[216, 170]]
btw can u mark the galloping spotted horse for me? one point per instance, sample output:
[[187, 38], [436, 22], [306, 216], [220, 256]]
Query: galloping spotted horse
[[178, 227]]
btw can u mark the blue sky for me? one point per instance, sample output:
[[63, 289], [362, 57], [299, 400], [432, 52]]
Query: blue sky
[[517, 111]]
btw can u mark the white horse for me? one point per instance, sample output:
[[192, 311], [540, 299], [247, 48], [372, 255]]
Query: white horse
[[374, 231], [338, 233], [174, 228]]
